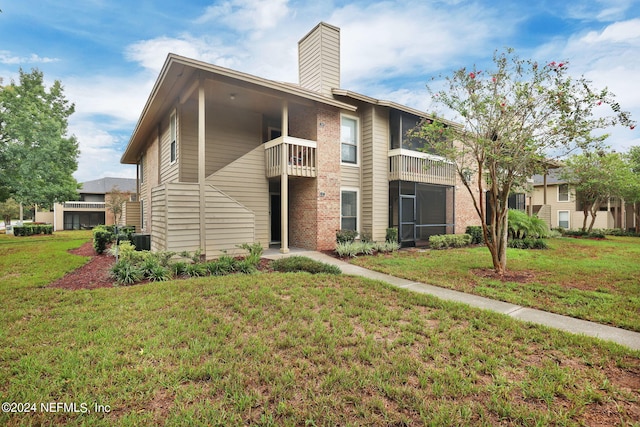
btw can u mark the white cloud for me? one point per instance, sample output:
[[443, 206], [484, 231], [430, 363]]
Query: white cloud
[[247, 15], [6, 57], [609, 58], [100, 152]]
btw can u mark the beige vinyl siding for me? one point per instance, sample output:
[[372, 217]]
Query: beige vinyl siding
[[319, 59], [230, 134], [176, 220], [244, 180], [188, 142], [169, 172], [131, 215], [375, 165], [229, 223], [158, 209]]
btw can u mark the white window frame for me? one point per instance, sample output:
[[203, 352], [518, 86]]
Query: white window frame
[[568, 193], [173, 137], [142, 168], [357, 144], [568, 219], [351, 190]]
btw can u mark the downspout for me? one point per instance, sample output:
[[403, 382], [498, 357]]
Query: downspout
[[201, 166], [284, 181]]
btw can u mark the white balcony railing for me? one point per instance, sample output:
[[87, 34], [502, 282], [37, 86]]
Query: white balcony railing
[[407, 165], [295, 156], [83, 205]]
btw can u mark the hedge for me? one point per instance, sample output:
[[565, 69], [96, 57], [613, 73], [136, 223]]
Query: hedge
[[443, 241], [32, 229]]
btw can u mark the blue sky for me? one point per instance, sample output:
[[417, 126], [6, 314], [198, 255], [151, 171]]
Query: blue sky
[[107, 54]]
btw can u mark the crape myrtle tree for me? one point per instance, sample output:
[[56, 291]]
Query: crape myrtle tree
[[37, 156], [511, 118], [114, 202], [596, 177]]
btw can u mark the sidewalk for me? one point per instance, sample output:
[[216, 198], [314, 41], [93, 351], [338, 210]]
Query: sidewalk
[[621, 336]]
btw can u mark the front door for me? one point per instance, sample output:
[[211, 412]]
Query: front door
[[407, 219], [275, 217]]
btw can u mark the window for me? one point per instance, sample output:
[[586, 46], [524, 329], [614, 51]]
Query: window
[[563, 219], [349, 212], [172, 136], [349, 140], [563, 193], [142, 221], [141, 169]]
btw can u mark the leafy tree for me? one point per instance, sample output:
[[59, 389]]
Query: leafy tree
[[596, 177], [37, 156], [114, 202], [9, 209], [511, 118], [632, 190]]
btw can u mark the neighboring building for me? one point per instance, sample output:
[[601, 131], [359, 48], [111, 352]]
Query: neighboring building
[[226, 158], [90, 208], [556, 202]]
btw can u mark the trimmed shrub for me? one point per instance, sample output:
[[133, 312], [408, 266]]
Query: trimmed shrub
[[444, 241], [300, 263], [392, 235], [32, 229], [475, 231], [102, 236], [345, 236], [527, 243]]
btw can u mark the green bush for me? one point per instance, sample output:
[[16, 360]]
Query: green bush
[[392, 235], [444, 241], [522, 225], [475, 231], [385, 247], [300, 263], [126, 273], [344, 236], [102, 236], [246, 266], [195, 270], [527, 243], [32, 229], [255, 252], [179, 268]]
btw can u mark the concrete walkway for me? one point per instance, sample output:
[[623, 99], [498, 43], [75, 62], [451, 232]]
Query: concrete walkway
[[621, 336]]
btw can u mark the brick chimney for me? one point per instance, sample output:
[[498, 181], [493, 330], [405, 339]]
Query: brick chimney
[[319, 59]]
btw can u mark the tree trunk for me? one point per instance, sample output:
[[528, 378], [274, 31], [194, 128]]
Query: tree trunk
[[594, 212], [585, 211]]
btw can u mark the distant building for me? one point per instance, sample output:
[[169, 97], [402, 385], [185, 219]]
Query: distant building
[[90, 208]]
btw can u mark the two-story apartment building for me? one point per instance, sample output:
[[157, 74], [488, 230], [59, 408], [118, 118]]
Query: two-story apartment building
[[91, 207], [557, 203], [225, 158]]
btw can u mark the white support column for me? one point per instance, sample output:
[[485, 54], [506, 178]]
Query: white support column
[[284, 182], [201, 165]]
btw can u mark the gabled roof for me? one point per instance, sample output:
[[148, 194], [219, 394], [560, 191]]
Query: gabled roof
[[104, 185], [177, 78], [553, 177]]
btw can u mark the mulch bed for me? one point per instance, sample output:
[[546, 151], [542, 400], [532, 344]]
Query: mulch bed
[[95, 273]]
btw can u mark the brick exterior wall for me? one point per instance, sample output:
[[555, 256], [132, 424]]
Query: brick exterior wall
[[328, 178], [303, 209], [466, 214]]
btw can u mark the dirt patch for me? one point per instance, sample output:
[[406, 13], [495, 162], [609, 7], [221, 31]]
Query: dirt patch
[[94, 274], [524, 276]]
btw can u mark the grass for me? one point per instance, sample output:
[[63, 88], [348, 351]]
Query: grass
[[288, 349], [597, 280]]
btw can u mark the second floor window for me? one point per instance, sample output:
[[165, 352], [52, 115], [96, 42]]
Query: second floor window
[[563, 193], [173, 136], [349, 140]]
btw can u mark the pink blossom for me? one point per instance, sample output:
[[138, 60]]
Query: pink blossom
[[552, 63], [632, 127], [493, 79], [560, 65], [472, 75]]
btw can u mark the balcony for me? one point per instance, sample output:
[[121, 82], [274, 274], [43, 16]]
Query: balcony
[[293, 156], [407, 165], [84, 205]]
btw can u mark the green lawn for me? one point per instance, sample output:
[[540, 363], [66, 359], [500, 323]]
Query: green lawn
[[287, 349], [597, 280]]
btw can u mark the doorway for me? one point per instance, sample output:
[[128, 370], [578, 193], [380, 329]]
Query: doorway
[[275, 218]]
